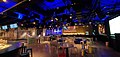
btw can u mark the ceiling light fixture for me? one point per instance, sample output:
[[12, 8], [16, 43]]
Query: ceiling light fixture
[[4, 0], [21, 24], [70, 17], [34, 22], [56, 18], [52, 20]]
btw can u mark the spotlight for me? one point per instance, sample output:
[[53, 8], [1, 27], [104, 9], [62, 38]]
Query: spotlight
[[80, 24], [87, 26], [83, 26], [70, 17], [56, 19], [21, 24], [56, 25], [34, 23], [95, 25], [52, 20], [90, 22], [49, 26], [4, 0], [75, 23]]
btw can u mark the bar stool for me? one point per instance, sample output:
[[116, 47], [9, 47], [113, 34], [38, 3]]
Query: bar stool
[[24, 49], [29, 50], [24, 55]]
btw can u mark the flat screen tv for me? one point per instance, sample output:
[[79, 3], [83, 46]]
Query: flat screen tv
[[13, 25], [114, 25], [4, 27]]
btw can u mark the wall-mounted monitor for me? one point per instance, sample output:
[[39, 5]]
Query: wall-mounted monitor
[[4, 27], [115, 25], [13, 25]]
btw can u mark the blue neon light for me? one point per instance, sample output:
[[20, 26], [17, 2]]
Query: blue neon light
[[51, 5], [6, 5], [75, 20], [96, 18], [20, 15], [107, 5], [105, 17]]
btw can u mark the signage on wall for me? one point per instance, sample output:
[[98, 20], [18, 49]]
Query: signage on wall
[[70, 29]]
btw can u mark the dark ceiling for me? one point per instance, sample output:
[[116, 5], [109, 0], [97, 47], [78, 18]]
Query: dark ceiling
[[58, 12]]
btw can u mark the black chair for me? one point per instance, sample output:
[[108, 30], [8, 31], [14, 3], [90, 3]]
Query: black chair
[[24, 51], [24, 55], [29, 50]]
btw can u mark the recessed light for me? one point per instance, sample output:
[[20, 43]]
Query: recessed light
[[52, 20], [70, 17], [34, 23]]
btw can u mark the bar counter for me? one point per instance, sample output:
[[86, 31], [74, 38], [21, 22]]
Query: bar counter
[[11, 49]]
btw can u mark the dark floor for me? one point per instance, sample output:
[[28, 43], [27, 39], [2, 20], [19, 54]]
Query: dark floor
[[40, 50]]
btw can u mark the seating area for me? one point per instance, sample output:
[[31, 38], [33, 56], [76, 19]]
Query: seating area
[[59, 28], [68, 46]]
